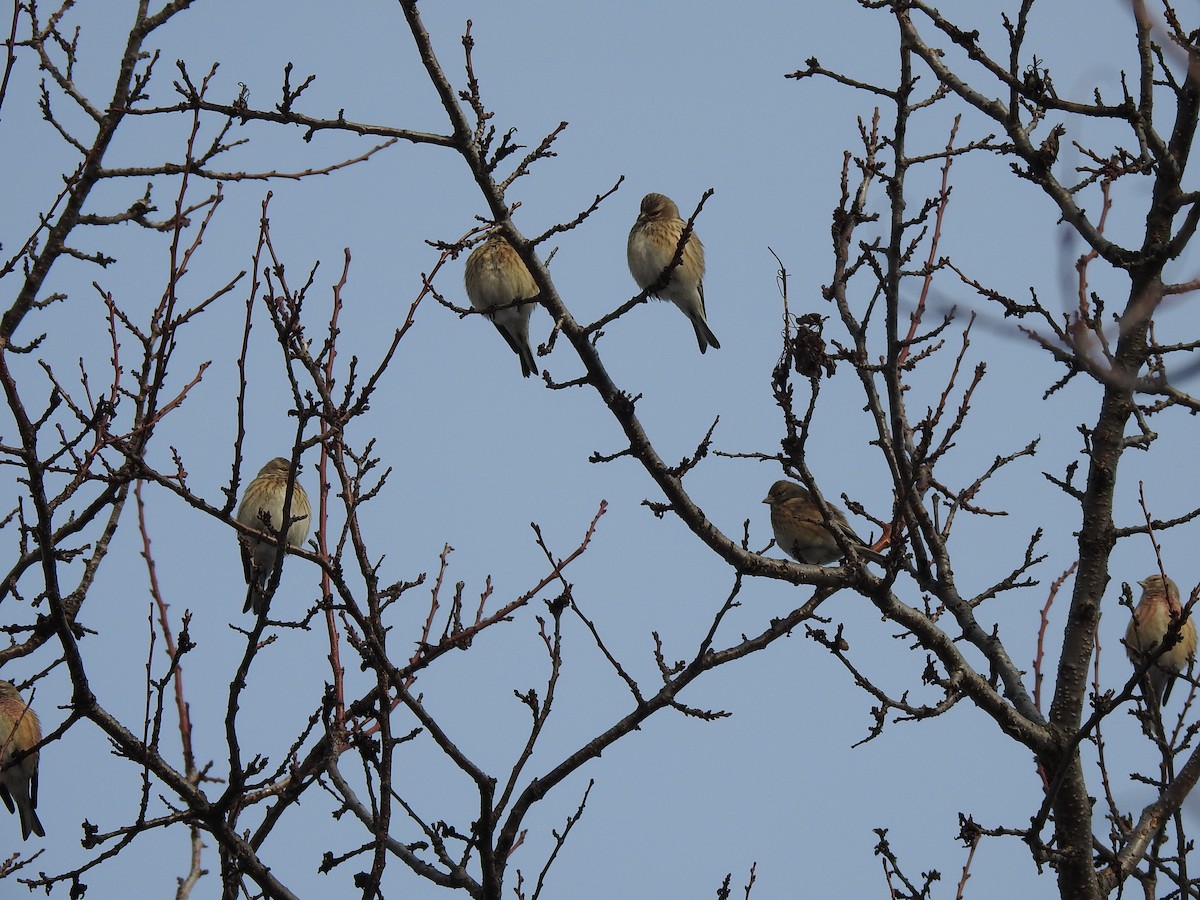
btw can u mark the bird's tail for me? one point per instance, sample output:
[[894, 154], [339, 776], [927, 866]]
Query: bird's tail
[[520, 346], [867, 553], [30, 822], [254, 598], [862, 548], [704, 336], [1168, 683], [528, 366]]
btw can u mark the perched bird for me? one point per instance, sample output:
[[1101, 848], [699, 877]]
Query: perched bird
[[262, 508], [653, 241], [496, 276], [1158, 607], [19, 730], [800, 530]]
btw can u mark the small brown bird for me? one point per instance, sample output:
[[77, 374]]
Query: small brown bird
[[496, 276], [1157, 609], [19, 730], [653, 241], [800, 530], [262, 508]]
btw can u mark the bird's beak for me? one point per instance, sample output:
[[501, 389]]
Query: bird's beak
[[766, 500], [1142, 584]]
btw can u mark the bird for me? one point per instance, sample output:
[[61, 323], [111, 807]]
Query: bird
[[653, 241], [262, 508], [800, 529], [1157, 609], [19, 731], [496, 276]]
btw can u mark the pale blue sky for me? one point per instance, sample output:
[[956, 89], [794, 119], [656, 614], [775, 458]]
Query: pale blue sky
[[677, 97]]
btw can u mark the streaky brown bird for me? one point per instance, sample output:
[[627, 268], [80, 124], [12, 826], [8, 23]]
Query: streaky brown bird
[[262, 508], [653, 241], [495, 277], [800, 530], [19, 731], [1156, 610]]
